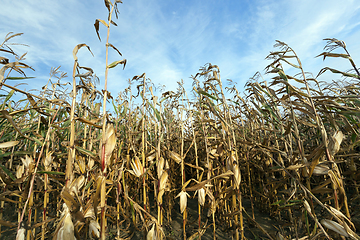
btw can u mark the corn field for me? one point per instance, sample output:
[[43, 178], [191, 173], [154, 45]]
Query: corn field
[[289, 146]]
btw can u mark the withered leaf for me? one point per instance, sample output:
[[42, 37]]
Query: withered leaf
[[96, 25]]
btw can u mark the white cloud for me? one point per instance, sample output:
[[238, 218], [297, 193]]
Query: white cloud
[[170, 40]]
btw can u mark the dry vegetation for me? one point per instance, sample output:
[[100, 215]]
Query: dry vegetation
[[69, 169]]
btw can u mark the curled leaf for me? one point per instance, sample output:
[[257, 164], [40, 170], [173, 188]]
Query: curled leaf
[[335, 227], [96, 25], [76, 49], [114, 64]]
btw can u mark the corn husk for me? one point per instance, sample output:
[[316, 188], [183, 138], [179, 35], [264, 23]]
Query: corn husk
[[21, 234], [183, 200], [77, 185], [94, 229], [65, 230], [162, 186], [109, 144], [335, 142], [160, 166], [151, 235], [201, 196]]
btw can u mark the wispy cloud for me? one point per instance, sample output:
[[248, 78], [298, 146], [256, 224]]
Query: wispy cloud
[[170, 40]]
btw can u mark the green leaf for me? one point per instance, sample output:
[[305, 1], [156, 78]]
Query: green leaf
[[115, 107], [353, 137], [87, 152], [18, 78], [157, 114], [37, 141], [7, 171], [89, 184], [278, 202], [207, 94], [268, 107], [7, 98], [18, 153], [114, 64]]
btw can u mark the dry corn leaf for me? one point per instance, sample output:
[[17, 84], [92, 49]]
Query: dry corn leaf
[[90, 122], [279, 236], [96, 25], [316, 156], [334, 226], [110, 45], [76, 49], [307, 206], [65, 228], [295, 167], [89, 211], [335, 180], [175, 156], [194, 166], [77, 184], [340, 214], [321, 169], [69, 200], [137, 168], [151, 156], [202, 184], [8, 144]]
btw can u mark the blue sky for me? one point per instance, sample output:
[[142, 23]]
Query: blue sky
[[170, 40]]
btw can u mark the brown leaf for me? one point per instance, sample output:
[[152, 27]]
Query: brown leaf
[[7, 223], [115, 48], [76, 49], [96, 25], [10, 37], [107, 4]]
